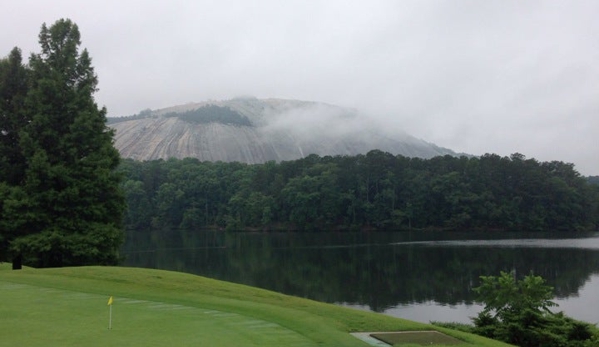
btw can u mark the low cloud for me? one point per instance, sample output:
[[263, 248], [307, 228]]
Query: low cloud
[[474, 76]]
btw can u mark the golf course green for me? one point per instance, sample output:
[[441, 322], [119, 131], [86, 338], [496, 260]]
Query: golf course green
[[69, 307]]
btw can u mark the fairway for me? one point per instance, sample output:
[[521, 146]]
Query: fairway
[[69, 307]]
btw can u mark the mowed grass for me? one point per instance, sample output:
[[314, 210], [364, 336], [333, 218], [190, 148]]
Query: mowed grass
[[68, 307], [422, 338]]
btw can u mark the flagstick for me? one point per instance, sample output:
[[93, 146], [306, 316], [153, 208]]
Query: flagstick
[[110, 319]]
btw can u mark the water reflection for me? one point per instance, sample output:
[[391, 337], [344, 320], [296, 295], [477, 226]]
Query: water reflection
[[395, 273], [581, 306], [581, 243]]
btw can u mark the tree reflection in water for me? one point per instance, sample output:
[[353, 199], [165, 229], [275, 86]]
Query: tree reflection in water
[[375, 270]]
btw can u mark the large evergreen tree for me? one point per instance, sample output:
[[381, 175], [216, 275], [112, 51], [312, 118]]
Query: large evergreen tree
[[13, 90], [67, 207]]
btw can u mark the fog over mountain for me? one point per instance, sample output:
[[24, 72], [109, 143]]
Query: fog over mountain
[[251, 130], [495, 76]]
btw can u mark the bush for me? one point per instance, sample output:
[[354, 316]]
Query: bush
[[517, 312]]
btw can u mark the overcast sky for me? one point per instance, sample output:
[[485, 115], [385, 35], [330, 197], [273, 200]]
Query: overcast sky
[[473, 76]]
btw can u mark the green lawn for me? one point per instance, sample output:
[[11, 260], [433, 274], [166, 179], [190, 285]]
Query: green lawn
[[68, 307], [421, 338]]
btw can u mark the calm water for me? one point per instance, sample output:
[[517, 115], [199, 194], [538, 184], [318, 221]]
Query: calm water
[[414, 275]]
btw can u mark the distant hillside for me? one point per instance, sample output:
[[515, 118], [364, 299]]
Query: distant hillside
[[252, 131]]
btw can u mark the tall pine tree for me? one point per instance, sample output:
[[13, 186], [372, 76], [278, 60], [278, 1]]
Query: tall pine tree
[[13, 90], [67, 209]]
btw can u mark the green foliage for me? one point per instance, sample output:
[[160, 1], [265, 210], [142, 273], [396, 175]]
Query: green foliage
[[204, 114], [373, 191], [517, 312], [147, 113], [13, 91], [66, 206], [504, 295], [212, 114]]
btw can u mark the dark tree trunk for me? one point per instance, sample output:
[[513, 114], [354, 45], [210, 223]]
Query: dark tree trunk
[[17, 262]]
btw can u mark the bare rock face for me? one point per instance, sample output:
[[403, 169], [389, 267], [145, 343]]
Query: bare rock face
[[253, 131]]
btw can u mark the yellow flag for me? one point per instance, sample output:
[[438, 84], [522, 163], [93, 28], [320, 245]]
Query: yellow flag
[[110, 301]]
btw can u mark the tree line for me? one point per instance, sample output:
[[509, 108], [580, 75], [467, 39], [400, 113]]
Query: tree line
[[211, 114], [375, 191]]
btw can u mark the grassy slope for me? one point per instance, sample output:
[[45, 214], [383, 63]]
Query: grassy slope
[[67, 307]]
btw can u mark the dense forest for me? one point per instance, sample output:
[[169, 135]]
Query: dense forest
[[376, 191], [204, 114], [147, 113], [211, 114]]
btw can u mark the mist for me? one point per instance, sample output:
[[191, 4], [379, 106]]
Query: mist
[[473, 76]]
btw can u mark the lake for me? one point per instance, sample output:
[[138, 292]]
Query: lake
[[421, 276]]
